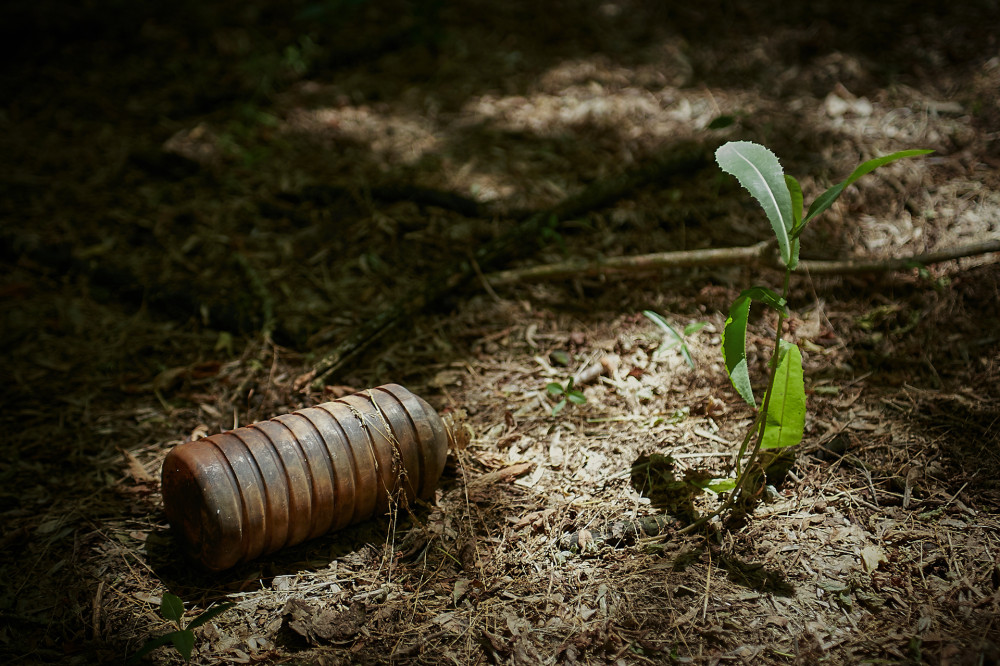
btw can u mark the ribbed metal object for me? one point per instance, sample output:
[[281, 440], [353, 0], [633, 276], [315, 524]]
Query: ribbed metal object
[[251, 491]]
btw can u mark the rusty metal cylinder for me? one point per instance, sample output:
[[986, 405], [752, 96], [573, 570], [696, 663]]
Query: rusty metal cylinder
[[247, 492]]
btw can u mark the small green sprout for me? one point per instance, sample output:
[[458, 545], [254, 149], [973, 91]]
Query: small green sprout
[[172, 609], [567, 392], [678, 338]]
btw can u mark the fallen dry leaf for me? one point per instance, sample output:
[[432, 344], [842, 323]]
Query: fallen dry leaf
[[136, 469], [505, 474], [871, 556], [322, 626]]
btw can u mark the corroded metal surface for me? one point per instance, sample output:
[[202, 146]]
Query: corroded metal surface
[[241, 494]]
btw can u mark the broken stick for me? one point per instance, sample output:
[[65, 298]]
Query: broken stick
[[760, 254]]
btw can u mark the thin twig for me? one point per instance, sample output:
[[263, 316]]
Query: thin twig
[[847, 266], [755, 255], [729, 256]]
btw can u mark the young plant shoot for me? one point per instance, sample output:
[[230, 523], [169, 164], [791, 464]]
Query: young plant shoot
[[676, 338], [780, 421], [172, 609], [564, 394]]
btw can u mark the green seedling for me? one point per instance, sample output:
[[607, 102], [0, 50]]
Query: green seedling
[[676, 338], [780, 421], [172, 609], [565, 393]]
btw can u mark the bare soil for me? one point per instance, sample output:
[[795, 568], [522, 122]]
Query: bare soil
[[200, 201]]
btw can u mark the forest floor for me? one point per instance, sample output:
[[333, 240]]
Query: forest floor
[[200, 201]]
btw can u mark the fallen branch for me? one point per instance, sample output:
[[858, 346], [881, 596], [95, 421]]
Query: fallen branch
[[729, 256], [760, 254], [889, 265], [520, 241]]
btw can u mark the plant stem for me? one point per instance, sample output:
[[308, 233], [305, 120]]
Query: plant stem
[[743, 446], [758, 427]]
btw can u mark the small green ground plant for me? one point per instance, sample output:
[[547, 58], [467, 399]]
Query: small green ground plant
[[676, 338], [780, 421], [565, 393], [172, 609]]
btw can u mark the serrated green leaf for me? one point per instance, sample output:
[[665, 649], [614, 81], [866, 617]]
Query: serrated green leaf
[[826, 199], [734, 352], [171, 607], [210, 614], [554, 388], [784, 346], [766, 296], [786, 412], [760, 173], [734, 336], [184, 642]]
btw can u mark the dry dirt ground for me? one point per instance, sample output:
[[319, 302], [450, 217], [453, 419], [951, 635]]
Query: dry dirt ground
[[199, 201]]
